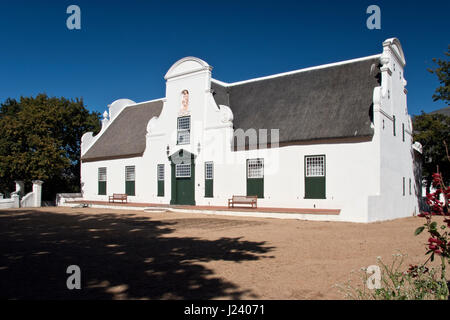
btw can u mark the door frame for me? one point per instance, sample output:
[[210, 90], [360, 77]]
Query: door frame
[[182, 157]]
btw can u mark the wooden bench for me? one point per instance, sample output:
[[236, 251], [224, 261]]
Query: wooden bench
[[251, 200], [119, 197]]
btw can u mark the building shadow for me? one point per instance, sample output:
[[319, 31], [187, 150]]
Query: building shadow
[[120, 256]]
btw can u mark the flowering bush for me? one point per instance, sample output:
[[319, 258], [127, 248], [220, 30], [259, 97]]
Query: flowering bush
[[439, 240], [417, 282]]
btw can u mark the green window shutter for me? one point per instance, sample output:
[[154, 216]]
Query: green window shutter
[[255, 177], [315, 177], [209, 180], [160, 180], [403, 185], [130, 177], [403, 132], [102, 188], [393, 125], [102, 181], [130, 188]]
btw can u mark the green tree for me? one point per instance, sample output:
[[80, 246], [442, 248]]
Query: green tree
[[442, 72], [433, 132], [40, 139]]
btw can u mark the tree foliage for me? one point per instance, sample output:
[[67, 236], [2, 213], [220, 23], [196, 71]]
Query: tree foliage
[[442, 72], [40, 139], [433, 132]]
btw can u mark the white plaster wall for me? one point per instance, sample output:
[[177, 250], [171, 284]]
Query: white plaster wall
[[363, 179], [115, 179], [9, 203], [349, 166], [396, 156]]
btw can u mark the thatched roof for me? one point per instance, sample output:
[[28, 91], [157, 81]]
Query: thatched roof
[[445, 111], [319, 104], [125, 136], [332, 102]]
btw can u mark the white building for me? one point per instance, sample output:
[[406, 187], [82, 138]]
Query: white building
[[336, 136]]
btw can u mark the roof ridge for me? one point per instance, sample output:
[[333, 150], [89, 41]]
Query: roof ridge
[[143, 102], [282, 74]]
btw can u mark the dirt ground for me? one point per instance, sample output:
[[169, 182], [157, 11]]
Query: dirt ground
[[137, 255]]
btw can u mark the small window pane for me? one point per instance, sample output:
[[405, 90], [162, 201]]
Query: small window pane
[[184, 128], [183, 170], [183, 137], [184, 123], [315, 166], [130, 173], [255, 168], [208, 170], [160, 172], [102, 174]]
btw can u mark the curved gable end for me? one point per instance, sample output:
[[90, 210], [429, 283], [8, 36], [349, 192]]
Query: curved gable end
[[332, 102], [126, 136]]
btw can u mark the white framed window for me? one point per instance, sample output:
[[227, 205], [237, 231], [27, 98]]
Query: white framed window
[[130, 173], [160, 172], [102, 174], [255, 168], [209, 171], [183, 130], [183, 170], [315, 166]]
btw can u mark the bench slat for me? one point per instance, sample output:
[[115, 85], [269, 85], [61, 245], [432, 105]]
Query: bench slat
[[252, 200]]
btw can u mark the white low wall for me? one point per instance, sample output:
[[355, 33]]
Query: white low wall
[[62, 198], [12, 202], [28, 200]]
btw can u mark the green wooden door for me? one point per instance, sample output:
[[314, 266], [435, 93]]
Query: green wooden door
[[315, 177], [185, 191], [183, 179], [255, 177]]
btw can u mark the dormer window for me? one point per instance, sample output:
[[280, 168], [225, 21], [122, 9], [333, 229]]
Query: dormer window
[[184, 130]]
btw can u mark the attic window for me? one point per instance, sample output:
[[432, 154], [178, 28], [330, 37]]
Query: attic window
[[184, 130]]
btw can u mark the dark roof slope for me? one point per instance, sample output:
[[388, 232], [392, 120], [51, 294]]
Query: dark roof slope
[[445, 111], [325, 103], [125, 136]]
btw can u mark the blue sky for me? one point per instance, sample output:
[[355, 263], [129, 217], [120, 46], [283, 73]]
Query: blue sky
[[124, 48]]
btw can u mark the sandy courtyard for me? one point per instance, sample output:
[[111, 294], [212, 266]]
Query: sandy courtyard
[[137, 255]]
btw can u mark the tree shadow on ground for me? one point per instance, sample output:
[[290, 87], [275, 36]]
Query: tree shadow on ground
[[120, 256]]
